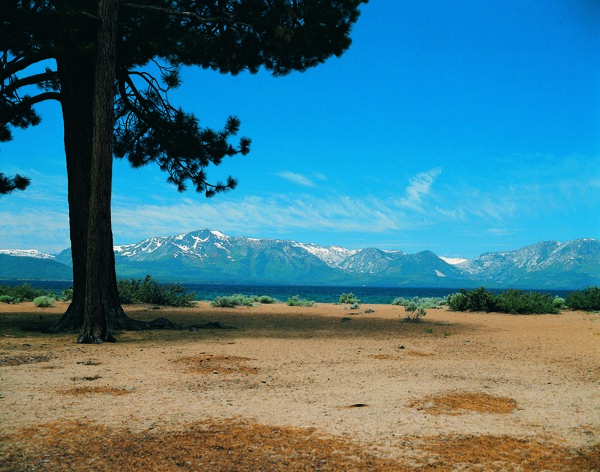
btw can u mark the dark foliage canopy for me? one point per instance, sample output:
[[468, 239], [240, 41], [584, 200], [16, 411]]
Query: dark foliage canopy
[[156, 38]]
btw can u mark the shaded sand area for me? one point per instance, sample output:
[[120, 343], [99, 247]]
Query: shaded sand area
[[295, 388]]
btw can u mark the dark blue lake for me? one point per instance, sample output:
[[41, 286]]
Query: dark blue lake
[[317, 293]]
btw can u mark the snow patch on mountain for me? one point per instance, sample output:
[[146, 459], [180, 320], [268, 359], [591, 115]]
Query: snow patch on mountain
[[27, 253], [454, 260], [333, 256]]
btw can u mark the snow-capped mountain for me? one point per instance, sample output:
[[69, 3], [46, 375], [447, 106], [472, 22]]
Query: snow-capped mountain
[[211, 256], [26, 253]]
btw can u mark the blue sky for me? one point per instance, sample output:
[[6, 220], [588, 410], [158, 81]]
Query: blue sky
[[457, 126]]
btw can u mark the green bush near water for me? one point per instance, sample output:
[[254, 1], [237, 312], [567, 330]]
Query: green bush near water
[[151, 292], [6, 299], [587, 300], [349, 299], [296, 301], [44, 301], [512, 301], [24, 293], [241, 300]]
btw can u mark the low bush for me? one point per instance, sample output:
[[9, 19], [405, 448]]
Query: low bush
[[266, 300], [150, 291], [510, 301], [414, 313], [233, 301], [587, 300], [6, 299], [25, 292], [422, 302], [349, 299], [44, 301], [296, 301], [400, 301], [66, 295], [518, 302]]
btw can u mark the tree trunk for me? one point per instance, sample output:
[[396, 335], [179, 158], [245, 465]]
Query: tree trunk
[[77, 71], [99, 300]]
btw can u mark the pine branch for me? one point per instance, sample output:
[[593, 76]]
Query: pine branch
[[16, 111], [47, 76], [183, 14], [10, 184], [19, 64]]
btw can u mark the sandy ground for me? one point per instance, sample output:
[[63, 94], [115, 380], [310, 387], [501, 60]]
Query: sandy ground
[[294, 388]]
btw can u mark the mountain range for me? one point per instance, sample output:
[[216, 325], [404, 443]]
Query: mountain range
[[207, 256]]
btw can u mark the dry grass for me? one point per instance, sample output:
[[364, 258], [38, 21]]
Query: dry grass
[[22, 359], [247, 446], [457, 403], [213, 364], [95, 391]]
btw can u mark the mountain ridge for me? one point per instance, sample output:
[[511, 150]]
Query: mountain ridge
[[212, 256]]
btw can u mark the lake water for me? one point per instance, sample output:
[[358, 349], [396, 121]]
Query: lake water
[[317, 293]]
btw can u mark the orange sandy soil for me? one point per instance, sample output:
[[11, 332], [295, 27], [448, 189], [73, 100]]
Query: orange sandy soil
[[292, 388]]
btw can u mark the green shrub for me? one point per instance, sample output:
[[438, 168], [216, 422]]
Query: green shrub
[[424, 302], [66, 295], [233, 301], [6, 299], [349, 298], [510, 301], [44, 301], [458, 301], [400, 301], [525, 303], [151, 292], [295, 301], [25, 292], [472, 300], [587, 300], [559, 303], [414, 313], [266, 300]]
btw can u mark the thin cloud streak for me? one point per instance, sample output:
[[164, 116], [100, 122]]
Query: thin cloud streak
[[297, 178]]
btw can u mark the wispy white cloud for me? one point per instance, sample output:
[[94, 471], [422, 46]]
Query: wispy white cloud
[[419, 187], [297, 178], [428, 200]]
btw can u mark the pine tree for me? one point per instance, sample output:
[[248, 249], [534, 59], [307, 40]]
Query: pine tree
[[89, 53]]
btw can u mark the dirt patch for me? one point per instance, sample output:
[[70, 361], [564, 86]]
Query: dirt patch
[[457, 403], [419, 354], [216, 364], [385, 357], [22, 359], [95, 390]]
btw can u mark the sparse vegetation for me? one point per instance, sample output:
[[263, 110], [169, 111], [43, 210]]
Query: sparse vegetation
[[44, 301], [150, 291], [511, 301], [296, 301], [24, 293], [67, 294], [350, 299], [6, 299], [414, 313], [587, 300], [241, 300], [232, 301], [423, 302]]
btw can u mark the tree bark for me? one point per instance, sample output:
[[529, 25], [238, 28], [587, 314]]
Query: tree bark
[[77, 71], [99, 300]]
